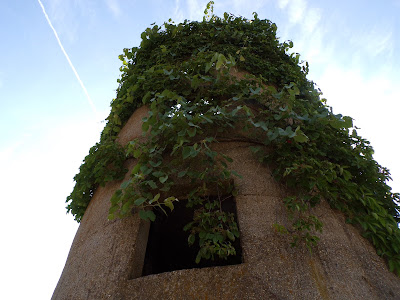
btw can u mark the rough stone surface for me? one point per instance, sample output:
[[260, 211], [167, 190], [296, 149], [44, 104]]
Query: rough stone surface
[[133, 128], [106, 257]]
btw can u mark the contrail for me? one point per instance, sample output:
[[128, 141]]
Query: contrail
[[69, 61]]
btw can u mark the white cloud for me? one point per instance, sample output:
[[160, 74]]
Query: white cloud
[[311, 20], [196, 9], [242, 7], [114, 7], [296, 10], [190, 9], [304, 28], [61, 13], [282, 3], [178, 14], [8, 152], [376, 41], [67, 16]]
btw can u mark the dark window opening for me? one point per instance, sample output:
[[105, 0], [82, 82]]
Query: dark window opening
[[167, 246]]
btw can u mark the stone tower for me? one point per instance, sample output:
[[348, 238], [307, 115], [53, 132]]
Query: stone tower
[[106, 257], [111, 259]]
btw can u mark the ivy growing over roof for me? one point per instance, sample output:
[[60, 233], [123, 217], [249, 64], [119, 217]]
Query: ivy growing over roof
[[187, 75]]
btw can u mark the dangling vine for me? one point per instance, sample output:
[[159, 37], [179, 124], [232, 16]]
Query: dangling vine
[[187, 76]]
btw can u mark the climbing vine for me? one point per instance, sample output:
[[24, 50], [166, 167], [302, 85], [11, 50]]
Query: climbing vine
[[203, 80]]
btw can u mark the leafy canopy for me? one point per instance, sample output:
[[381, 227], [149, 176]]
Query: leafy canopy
[[200, 81]]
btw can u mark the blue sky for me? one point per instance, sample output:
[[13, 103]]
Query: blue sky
[[48, 124]]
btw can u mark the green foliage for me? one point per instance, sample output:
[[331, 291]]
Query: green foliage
[[185, 74], [104, 163]]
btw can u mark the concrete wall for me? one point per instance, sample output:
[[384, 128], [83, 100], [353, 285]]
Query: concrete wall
[[106, 255]]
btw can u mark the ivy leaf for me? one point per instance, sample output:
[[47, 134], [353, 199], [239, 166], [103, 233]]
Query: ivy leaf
[[211, 154], [158, 174], [169, 204], [156, 197], [227, 158], [151, 215], [163, 179], [139, 201], [147, 214], [208, 66], [391, 265], [347, 175], [193, 125], [146, 97], [206, 118], [136, 153], [182, 173], [300, 136], [236, 174], [192, 132], [261, 124], [198, 257], [195, 82], [339, 122], [191, 239], [281, 132], [125, 184], [163, 49], [152, 184], [136, 169], [168, 72], [126, 207], [235, 111], [146, 170], [221, 61], [255, 149], [193, 152], [145, 126], [348, 122], [256, 91], [230, 235], [182, 132], [186, 152], [155, 164]]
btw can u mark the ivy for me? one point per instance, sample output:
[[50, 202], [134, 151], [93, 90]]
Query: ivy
[[104, 163], [200, 81]]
